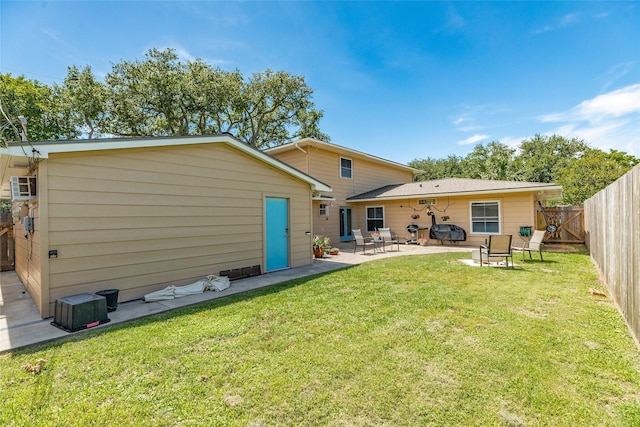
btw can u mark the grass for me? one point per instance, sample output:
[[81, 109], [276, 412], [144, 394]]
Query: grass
[[405, 341]]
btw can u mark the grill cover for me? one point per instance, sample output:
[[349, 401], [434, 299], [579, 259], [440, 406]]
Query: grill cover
[[447, 232]]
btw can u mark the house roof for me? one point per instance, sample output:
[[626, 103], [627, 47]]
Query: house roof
[[310, 142], [15, 157], [458, 187]]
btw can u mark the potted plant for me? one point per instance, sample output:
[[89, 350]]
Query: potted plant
[[423, 241], [320, 244]]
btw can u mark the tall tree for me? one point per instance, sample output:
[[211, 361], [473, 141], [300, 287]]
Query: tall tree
[[32, 100], [82, 103], [493, 161], [163, 96], [146, 96], [449, 167], [583, 177], [542, 157], [272, 104]]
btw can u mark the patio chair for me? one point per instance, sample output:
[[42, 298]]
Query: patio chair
[[533, 245], [360, 240], [387, 236], [498, 246]]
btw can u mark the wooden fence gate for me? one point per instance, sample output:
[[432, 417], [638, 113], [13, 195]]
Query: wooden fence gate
[[7, 248], [570, 222]]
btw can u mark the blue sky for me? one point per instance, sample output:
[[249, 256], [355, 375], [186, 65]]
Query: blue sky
[[400, 80]]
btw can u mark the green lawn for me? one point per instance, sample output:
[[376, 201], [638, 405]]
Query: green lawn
[[405, 341]]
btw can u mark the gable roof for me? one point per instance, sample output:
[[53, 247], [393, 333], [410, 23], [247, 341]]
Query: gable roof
[[458, 187], [334, 148], [17, 154]]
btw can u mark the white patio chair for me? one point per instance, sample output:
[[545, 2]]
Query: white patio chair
[[533, 245]]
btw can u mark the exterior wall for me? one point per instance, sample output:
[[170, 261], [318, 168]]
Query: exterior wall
[[28, 262], [516, 210], [324, 165], [141, 219]]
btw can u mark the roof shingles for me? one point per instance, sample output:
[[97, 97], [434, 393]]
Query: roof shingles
[[452, 186]]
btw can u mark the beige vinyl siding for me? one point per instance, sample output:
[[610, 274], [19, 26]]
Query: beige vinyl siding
[[295, 158], [324, 165], [28, 261], [141, 219], [367, 175]]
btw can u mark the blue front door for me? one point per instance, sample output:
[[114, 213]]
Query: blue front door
[[277, 233], [346, 223]]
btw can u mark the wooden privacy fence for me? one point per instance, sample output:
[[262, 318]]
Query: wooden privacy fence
[[570, 222], [612, 223]]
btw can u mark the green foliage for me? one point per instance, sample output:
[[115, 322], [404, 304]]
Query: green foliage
[[542, 158], [438, 168], [35, 102], [323, 242], [580, 169], [162, 95], [594, 171], [493, 161], [404, 341], [82, 102]]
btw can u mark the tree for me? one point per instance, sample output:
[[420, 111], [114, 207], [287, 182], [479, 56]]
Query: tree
[[438, 168], [33, 101], [542, 157], [163, 96], [146, 96], [493, 161], [82, 103], [583, 177], [273, 103]]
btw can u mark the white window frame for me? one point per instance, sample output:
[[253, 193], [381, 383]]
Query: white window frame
[[471, 219], [323, 210], [350, 168], [367, 219]]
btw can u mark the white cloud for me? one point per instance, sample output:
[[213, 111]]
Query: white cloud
[[473, 139], [617, 72], [608, 121], [570, 18], [512, 142]]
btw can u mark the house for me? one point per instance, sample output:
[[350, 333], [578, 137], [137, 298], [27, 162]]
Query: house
[[139, 214], [370, 192], [480, 207], [349, 173]]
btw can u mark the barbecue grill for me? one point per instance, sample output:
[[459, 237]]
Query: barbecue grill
[[450, 232], [413, 229]]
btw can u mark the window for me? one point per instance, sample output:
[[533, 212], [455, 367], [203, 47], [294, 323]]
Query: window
[[375, 218], [323, 209], [346, 170], [485, 217]]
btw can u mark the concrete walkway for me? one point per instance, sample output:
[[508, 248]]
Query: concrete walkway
[[21, 325]]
